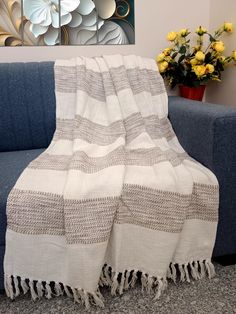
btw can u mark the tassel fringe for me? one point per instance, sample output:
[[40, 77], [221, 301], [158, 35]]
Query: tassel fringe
[[117, 281]]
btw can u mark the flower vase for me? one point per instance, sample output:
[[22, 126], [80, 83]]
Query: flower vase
[[194, 93]]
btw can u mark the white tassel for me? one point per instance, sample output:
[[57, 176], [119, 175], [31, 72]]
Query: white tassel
[[144, 282], [159, 288], [150, 282], [24, 285], [194, 272], [67, 292], [127, 284], [58, 290], [115, 283], [102, 280], [107, 275], [98, 301], [169, 274], [9, 287], [100, 295], [134, 278], [48, 290], [182, 273], [75, 295], [7, 290], [122, 282], [34, 295], [39, 288], [186, 272], [85, 297], [16, 284], [195, 265], [210, 269], [173, 270], [165, 284], [202, 270]]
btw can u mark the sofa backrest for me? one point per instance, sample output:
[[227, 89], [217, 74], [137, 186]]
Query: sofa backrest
[[27, 105]]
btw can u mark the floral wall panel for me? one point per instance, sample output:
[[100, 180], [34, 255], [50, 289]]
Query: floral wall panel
[[81, 29], [10, 23], [66, 22], [118, 22], [41, 21]]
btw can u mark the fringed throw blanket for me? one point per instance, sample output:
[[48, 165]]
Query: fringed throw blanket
[[114, 197]]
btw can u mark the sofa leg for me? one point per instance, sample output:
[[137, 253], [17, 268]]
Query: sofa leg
[[225, 260]]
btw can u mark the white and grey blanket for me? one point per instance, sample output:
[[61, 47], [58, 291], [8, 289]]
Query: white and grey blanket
[[114, 194]]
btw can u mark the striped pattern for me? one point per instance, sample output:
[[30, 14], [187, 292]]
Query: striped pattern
[[92, 82], [119, 156], [90, 221], [33, 212], [207, 198], [129, 128], [114, 169]]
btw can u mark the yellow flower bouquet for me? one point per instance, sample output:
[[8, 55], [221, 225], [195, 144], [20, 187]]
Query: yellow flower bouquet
[[193, 66]]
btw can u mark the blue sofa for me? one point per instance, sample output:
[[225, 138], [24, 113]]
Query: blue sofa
[[27, 123]]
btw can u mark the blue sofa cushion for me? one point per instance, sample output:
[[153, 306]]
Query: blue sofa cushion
[[2, 252], [11, 166], [27, 105]]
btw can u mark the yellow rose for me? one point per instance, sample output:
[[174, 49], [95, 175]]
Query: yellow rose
[[168, 59], [228, 27], [200, 56], [234, 55], [193, 62], [199, 70], [183, 32], [171, 36], [201, 31], [160, 57], [210, 68], [218, 46], [167, 51], [163, 66]]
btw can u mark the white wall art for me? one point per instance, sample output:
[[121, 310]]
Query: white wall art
[[66, 22]]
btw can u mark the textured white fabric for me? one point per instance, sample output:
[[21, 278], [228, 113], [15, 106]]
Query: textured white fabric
[[113, 194]]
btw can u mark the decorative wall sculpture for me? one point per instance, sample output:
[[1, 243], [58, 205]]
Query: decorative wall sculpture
[[66, 22]]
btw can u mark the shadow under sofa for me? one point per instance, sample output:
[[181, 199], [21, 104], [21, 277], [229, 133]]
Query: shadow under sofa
[[27, 123]]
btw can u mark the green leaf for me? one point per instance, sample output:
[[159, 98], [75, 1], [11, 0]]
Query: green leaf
[[212, 39], [182, 49], [181, 58], [174, 55]]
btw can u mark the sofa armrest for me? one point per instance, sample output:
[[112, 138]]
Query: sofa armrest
[[208, 134], [206, 131]]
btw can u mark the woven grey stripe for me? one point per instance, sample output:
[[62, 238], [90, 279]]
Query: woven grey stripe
[[129, 128], [64, 129], [205, 200], [119, 156], [91, 132], [89, 221], [69, 80], [34, 212], [158, 128], [153, 209]]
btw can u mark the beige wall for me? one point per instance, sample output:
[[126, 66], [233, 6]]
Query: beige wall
[[225, 91], [154, 18]]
